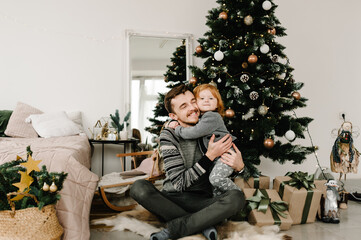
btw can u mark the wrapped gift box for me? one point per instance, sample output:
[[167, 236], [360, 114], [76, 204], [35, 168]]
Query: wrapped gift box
[[260, 219], [303, 204], [261, 182]]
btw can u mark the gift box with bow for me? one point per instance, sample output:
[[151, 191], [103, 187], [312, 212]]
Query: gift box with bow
[[298, 189], [265, 207], [261, 182]]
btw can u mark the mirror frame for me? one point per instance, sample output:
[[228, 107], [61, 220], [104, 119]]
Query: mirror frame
[[130, 33]]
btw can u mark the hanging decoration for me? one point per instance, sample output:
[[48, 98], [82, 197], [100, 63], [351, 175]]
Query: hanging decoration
[[244, 78], [272, 31], [219, 55], [244, 65], [219, 80], [213, 83], [268, 143], [252, 58], [253, 95], [248, 20], [262, 110], [296, 95], [264, 48], [290, 135], [193, 80], [274, 58], [229, 113], [223, 15], [266, 5], [199, 49]]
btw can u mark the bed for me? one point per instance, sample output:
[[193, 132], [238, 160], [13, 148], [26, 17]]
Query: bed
[[71, 154]]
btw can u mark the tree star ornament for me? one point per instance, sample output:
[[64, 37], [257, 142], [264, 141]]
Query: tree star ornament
[[25, 182], [31, 165]]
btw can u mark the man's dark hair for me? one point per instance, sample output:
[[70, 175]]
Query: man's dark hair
[[181, 89]]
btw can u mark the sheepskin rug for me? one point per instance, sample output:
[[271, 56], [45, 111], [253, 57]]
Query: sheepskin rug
[[143, 223]]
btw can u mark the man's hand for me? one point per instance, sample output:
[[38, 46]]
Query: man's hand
[[233, 159], [216, 149]]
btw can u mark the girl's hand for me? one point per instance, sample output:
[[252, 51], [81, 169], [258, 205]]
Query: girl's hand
[[173, 124]]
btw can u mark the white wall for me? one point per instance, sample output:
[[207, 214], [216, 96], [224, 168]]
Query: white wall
[[69, 55]]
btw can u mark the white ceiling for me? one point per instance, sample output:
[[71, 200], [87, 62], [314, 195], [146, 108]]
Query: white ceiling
[[146, 48]]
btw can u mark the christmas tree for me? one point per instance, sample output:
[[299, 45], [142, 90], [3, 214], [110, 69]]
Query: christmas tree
[[28, 185], [254, 77], [175, 75]]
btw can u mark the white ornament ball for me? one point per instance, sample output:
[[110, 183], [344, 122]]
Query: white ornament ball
[[290, 135], [45, 187], [266, 5], [213, 83], [53, 187], [264, 48], [219, 55], [219, 80], [282, 76]]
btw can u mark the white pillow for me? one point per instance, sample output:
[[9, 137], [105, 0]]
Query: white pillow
[[55, 124], [77, 119]]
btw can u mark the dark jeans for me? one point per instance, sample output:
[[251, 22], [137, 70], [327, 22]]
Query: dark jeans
[[187, 213]]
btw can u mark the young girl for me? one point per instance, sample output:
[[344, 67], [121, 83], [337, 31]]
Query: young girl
[[210, 104]]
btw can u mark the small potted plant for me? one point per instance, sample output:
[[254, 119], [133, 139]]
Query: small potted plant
[[120, 126]]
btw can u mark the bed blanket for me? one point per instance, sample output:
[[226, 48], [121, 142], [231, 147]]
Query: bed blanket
[[62, 154]]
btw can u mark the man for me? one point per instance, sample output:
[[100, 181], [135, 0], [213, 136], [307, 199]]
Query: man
[[186, 202]]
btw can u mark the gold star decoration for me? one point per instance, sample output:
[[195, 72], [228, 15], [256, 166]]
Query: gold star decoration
[[19, 197], [31, 165], [25, 182]]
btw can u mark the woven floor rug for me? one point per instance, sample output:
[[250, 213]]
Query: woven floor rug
[[143, 223]]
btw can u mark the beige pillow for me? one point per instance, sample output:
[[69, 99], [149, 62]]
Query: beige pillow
[[17, 127]]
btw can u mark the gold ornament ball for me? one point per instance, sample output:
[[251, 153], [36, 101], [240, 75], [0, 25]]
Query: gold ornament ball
[[223, 15], [193, 80], [244, 65], [199, 49], [272, 31], [53, 187], [229, 113], [45, 187], [262, 110], [248, 20], [165, 79], [252, 58], [268, 143], [296, 95]]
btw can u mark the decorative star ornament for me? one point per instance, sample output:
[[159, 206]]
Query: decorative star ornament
[[31, 165], [25, 182], [19, 197]]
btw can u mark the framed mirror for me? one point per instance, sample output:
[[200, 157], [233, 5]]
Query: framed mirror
[[147, 57]]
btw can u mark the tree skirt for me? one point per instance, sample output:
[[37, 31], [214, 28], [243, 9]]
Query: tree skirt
[[143, 223]]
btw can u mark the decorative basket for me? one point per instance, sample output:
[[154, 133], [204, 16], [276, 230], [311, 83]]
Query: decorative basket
[[29, 223]]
